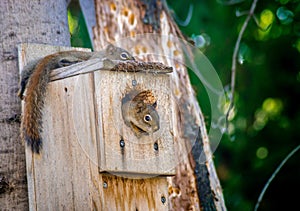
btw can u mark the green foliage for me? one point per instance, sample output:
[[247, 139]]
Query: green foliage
[[265, 125], [78, 30]]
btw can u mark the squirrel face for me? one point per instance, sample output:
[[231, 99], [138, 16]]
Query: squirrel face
[[146, 121], [140, 114], [112, 52]]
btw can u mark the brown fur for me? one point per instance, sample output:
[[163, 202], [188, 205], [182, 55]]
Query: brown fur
[[35, 78]]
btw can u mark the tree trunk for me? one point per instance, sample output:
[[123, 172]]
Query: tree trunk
[[21, 21], [46, 22], [116, 20]]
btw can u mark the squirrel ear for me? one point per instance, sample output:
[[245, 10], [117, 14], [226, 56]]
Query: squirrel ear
[[154, 104], [110, 49]]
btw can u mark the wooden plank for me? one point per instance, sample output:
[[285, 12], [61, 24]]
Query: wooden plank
[[61, 174], [138, 155], [65, 176], [109, 65], [122, 194], [49, 175], [61, 177]]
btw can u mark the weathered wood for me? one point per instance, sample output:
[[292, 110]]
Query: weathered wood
[[49, 173], [132, 194], [109, 65], [138, 155], [76, 124], [60, 177]]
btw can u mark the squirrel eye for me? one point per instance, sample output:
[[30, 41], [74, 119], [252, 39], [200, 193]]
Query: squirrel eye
[[124, 56], [147, 118]]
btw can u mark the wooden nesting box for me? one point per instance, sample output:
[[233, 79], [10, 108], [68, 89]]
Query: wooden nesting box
[[120, 149], [85, 135]]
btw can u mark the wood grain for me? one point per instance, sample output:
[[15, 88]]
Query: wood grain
[[138, 155], [78, 132]]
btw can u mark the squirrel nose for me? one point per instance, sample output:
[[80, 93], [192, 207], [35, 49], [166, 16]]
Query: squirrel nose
[[155, 128]]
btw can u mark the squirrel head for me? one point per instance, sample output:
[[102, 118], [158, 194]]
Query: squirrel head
[[140, 114], [116, 53]]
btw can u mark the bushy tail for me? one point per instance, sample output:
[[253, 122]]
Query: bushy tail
[[31, 125]]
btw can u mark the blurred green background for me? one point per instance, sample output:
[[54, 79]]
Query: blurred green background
[[265, 125]]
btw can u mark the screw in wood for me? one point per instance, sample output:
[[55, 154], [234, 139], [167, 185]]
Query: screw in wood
[[155, 146], [134, 82], [105, 185], [163, 199], [122, 143]]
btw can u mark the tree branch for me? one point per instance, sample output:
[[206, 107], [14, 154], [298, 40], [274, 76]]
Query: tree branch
[[273, 176], [234, 57]]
